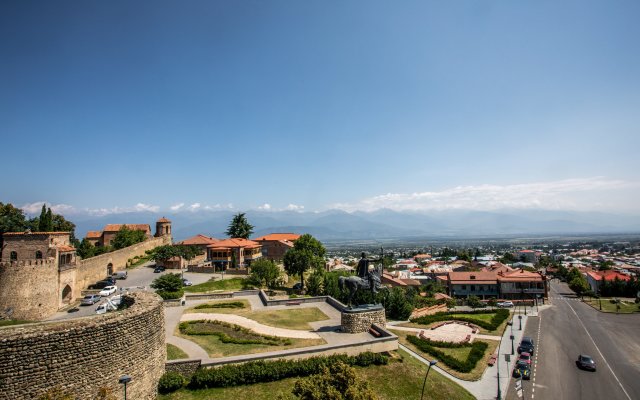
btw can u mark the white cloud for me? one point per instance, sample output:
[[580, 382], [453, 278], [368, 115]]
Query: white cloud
[[194, 207], [35, 208], [176, 207], [294, 207], [139, 207], [570, 194], [265, 207]]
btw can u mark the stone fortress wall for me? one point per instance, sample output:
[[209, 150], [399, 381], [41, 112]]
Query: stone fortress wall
[[29, 288], [85, 354]]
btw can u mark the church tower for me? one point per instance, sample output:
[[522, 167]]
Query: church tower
[[163, 227]]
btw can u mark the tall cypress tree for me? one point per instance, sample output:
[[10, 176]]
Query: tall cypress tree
[[43, 219], [48, 227]]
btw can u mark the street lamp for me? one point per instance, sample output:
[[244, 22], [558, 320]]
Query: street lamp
[[124, 379], [431, 364], [512, 349], [520, 318]]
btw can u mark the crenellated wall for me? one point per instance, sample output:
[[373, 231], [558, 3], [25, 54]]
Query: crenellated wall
[[85, 354], [29, 288]]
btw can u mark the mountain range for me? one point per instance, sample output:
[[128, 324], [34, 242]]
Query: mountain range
[[381, 224]]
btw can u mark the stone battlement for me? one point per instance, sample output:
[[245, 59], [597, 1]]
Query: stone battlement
[[28, 263]]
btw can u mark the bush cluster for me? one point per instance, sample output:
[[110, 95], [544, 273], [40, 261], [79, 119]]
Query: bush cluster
[[207, 327], [228, 304], [170, 382], [498, 318], [270, 371], [167, 295], [428, 346]]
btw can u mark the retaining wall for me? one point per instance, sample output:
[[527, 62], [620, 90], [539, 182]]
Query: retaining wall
[[85, 354]]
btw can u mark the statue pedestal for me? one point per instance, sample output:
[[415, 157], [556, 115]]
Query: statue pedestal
[[359, 319]]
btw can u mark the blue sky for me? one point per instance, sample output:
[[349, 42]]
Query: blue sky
[[126, 105]]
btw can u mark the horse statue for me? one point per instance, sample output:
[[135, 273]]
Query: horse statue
[[367, 279]]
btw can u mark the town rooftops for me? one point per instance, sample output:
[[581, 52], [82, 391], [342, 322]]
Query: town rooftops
[[199, 240], [133, 227], [291, 237], [519, 276], [608, 275], [234, 243]]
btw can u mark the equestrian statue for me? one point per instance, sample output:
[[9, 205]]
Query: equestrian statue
[[368, 278]]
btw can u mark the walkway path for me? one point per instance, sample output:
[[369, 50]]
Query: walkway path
[[251, 324]]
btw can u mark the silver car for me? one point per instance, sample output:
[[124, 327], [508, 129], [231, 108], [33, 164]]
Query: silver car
[[90, 299]]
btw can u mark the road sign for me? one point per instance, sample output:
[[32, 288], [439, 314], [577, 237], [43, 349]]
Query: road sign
[[507, 357]]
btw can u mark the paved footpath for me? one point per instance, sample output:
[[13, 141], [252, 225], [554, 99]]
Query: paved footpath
[[486, 388], [251, 324]]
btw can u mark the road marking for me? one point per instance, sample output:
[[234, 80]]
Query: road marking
[[599, 352]]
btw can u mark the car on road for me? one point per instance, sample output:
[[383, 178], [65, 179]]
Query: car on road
[[158, 269], [108, 290], [101, 284], [186, 282], [119, 275], [586, 362], [90, 300], [522, 370], [526, 346], [526, 357], [505, 304]]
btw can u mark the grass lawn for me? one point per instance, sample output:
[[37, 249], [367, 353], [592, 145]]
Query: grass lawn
[[297, 318], [482, 317], [626, 306], [399, 380], [175, 352], [9, 322], [460, 353], [215, 348], [224, 285]]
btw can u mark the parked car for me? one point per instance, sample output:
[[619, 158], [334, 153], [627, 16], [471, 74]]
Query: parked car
[[186, 282], [119, 275], [526, 357], [586, 362], [526, 346], [505, 304], [108, 290], [90, 300], [158, 269], [522, 370], [101, 285]]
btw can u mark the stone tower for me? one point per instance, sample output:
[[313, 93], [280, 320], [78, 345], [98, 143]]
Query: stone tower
[[163, 227]]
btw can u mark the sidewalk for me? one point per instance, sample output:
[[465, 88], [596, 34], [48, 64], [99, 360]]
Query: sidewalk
[[486, 388]]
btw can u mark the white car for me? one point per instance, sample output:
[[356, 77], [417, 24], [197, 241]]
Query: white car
[[505, 304], [108, 290]]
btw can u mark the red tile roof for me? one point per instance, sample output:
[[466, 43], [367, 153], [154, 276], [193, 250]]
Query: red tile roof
[[163, 219], [480, 277], [608, 275], [134, 227], [279, 236], [94, 235], [65, 249], [199, 240], [234, 243], [519, 276]]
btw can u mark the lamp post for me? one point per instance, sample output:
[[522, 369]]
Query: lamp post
[[124, 379], [512, 349], [520, 318], [499, 397], [431, 364]]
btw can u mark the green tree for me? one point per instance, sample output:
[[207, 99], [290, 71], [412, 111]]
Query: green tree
[[86, 249], [189, 252], [474, 302], [239, 227], [337, 382], [315, 283], [168, 286], [265, 272], [127, 237], [43, 224], [307, 252], [397, 305], [12, 219], [577, 282], [508, 258], [164, 253]]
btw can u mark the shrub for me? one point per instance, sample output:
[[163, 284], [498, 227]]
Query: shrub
[[215, 328], [498, 318], [167, 295], [428, 346], [270, 371], [228, 304], [170, 382]]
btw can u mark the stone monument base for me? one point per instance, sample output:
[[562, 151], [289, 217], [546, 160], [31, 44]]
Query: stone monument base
[[359, 319]]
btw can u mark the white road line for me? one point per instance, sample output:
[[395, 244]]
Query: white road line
[[599, 352]]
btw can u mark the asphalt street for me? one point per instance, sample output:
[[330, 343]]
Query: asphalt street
[[570, 328]]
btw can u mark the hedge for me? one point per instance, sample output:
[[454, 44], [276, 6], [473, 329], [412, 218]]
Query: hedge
[[476, 354], [187, 328], [270, 371], [498, 318], [170, 382], [228, 304], [167, 295]]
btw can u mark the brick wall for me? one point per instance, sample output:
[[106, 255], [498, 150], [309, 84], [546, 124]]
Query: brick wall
[[29, 288], [85, 354]]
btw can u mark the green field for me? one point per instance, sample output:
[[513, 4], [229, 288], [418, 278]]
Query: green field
[[627, 306], [175, 353], [401, 379], [232, 284], [9, 322]]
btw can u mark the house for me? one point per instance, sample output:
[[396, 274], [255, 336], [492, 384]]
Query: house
[[527, 256], [478, 283], [595, 278], [275, 245], [199, 241], [108, 233], [235, 252], [522, 284]]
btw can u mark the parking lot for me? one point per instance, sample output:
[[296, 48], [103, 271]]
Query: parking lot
[[139, 278]]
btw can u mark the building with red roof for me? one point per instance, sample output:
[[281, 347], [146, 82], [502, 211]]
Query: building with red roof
[[595, 278], [275, 245], [234, 252]]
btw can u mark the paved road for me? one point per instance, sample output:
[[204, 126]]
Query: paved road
[[571, 327]]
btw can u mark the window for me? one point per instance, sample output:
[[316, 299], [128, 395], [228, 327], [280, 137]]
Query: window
[[38, 255], [14, 256], [473, 288]]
